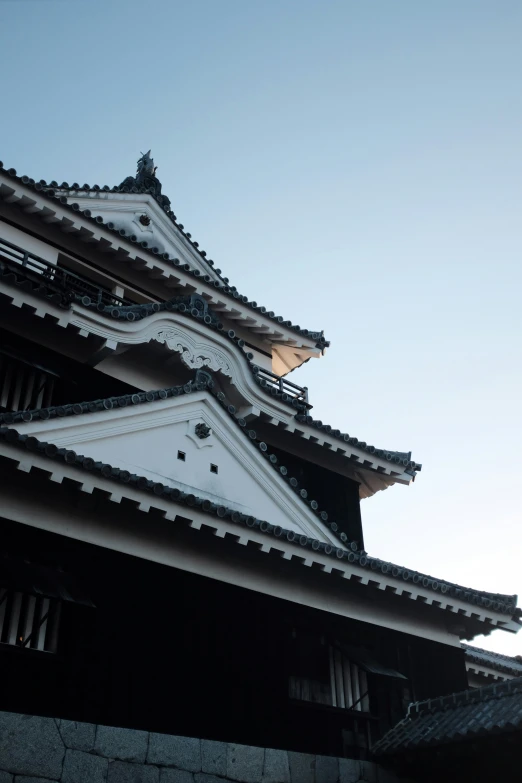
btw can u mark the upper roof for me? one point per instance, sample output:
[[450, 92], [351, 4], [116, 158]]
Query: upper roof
[[91, 204], [490, 710], [494, 660]]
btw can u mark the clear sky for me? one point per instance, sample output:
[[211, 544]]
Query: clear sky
[[354, 166]]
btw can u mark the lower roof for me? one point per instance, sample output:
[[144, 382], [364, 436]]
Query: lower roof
[[440, 593], [488, 711], [494, 660]]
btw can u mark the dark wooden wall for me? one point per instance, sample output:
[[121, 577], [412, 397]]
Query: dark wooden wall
[[174, 652], [336, 494]]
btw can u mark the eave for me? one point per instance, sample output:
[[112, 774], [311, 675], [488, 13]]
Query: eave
[[483, 610], [43, 202], [374, 469], [464, 620]]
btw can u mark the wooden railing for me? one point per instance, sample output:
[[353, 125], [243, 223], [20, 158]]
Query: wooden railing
[[283, 385], [61, 280], [55, 277]]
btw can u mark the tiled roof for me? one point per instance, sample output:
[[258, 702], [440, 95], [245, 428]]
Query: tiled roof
[[494, 660], [491, 710], [398, 457], [193, 306], [196, 306], [202, 381], [504, 604], [50, 190]]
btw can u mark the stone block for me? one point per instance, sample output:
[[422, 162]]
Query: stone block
[[176, 776], [80, 767], [124, 772], [171, 751], [23, 779], [121, 744], [5, 777], [245, 763], [202, 777], [326, 769], [214, 757], [386, 775], [276, 769], [349, 770], [30, 745], [77, 736], [368, 771], [302, 767]]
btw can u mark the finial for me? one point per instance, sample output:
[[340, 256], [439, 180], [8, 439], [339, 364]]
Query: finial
[[147, 180], [146, 167]]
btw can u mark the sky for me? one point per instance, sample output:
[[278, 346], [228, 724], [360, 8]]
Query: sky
[[354, 166]]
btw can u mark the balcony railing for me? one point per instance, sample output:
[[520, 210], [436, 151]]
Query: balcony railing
[[62, 281], [272, 381], [56, 278]]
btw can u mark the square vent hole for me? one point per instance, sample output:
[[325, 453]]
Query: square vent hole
[[213, 468], [181, 456]]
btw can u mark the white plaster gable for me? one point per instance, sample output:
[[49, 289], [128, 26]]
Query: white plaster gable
[[124, 211], [145, 439]]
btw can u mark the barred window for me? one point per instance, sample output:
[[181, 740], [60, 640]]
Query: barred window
[[322, 673], [349, 682], [28, 621], [22, 386]]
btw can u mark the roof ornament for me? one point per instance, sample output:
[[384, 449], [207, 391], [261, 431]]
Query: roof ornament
[[146, 166], [146, 180]]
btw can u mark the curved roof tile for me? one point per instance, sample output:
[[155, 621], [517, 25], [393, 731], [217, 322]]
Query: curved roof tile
[[50, 190], [493, 660], [491, 710], [504, 604]]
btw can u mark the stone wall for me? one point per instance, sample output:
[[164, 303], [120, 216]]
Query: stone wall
[[39, 750]]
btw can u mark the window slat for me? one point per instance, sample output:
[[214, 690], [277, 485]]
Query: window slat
[[43, 627], [14, 619], [356, 686], [348, 691], [332, 677]]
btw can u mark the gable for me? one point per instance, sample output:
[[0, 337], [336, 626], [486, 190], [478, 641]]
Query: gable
[[126, 210], [188, 443]]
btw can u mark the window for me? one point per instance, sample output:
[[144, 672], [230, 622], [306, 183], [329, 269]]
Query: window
[[23, 386], [322, 673], [213, 468], [181, 456], [28, 621], [348, 681]]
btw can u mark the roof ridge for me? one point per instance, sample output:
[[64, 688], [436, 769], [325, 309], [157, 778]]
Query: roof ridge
[[469, 696], [503, 656], [49, 189]]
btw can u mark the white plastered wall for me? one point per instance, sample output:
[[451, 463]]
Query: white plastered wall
[[27, 242], [145, 439]]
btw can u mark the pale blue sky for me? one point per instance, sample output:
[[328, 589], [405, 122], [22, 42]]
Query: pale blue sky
[[356, 167]]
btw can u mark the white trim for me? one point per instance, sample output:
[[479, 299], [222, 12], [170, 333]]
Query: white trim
[[201, 346], [485, 671], [139, 536], [91, 431], [337, 603], [86, 230]]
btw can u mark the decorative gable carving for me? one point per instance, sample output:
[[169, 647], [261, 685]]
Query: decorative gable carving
[[194, 354]]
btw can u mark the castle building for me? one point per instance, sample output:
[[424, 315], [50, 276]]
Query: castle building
[[182, 546]]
